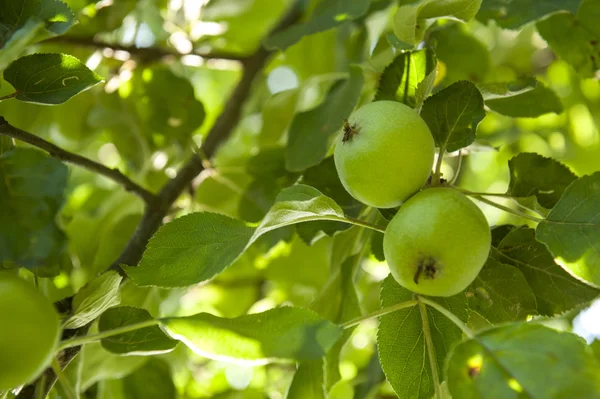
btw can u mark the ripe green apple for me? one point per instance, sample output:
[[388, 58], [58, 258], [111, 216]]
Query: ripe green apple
[[437, 242], [385, 154], [29, 332]]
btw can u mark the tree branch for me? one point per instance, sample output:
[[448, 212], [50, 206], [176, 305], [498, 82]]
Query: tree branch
[[115, 175], [145, 53], [227, 120]]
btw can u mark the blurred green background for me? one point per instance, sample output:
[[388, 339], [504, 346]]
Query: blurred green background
[[147, 118]]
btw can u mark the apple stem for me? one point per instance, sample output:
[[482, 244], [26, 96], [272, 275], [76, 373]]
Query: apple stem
[[430, 348], [437, 175], [378, 313], [63, 380]]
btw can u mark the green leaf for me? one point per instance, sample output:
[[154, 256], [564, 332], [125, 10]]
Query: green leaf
[[523, 360], [284, 333], [145, 341], [23, 22], [151, 381], [572, 229], [401, 342], [513, 14], [198, 246], [297, 204], [588, 14], [99, 365], [528, 104], [409, 78], [94, 298], [328, 14], [56, 15], [453, 115], [32, 189], [324, 177], [18, 41], [410, 20], [573, 40], [556, 291], [311, 132], [49, 78], [339, 302], [533, 174], [494, 90], [465, 57], [500, 293], [308, 381], [191, 249]]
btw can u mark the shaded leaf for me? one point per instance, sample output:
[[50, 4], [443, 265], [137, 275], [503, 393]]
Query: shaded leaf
[[324, 177], [572, 229], [94, 298], [556, 291], [465, 57], [453, 115], [308, 381], [573, 40], [151, 381], [99, 365], [328, 14], [533, 174], [167, 103], [339, 302], [528, 104], [23, 22], [311, 132], [49, 78], [410, 19], [284, 333], [523, 360], [513, 14], [144, 341], [32, 189], [409, 78], [401, 343], [490, 295]]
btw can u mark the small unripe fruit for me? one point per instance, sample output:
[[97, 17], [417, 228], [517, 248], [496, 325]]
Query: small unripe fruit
[[385, 154], [29, 332], [437, 242]]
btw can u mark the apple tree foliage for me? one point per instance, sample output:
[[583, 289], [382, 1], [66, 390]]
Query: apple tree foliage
[[167, 180]]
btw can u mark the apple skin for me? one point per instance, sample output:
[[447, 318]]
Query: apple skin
[[437, 243], [386, 154], [29, 333]]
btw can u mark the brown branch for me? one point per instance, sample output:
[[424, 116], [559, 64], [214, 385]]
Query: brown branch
[[115, 175], [145, 53], [227, 120]]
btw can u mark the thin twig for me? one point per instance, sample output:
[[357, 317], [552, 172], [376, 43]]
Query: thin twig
[[86, 339], [9, 96], [224, 125], [145, 53], [379, 313], [64, 381], [115, 175]]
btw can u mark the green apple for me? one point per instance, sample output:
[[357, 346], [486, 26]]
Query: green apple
[[385, 154], [437, 242], [29, 332]]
